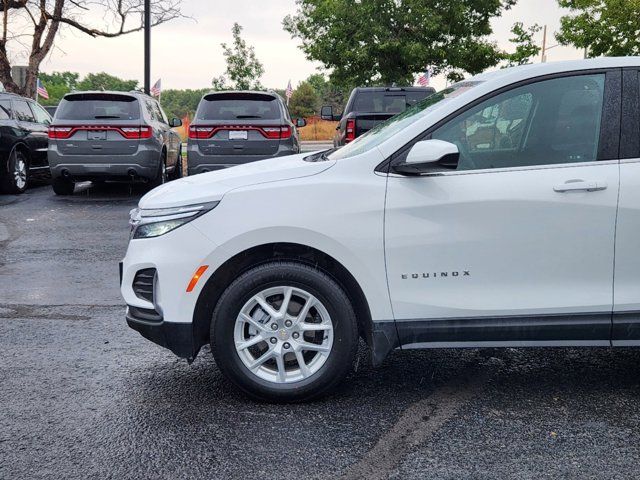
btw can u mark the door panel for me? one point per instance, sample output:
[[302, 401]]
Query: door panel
[[493, 253]]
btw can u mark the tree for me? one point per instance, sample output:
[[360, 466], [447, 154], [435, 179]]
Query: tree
[[304, 101], [526, 47], [328, 92], [58, 84], [104, 81], [178, 103], [243, 67], [30, 27], [603, 27], [388, 41]]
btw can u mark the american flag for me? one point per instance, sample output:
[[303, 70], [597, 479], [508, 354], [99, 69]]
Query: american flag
[[42, 92], [425, 78], [289, 91], [156, 90]]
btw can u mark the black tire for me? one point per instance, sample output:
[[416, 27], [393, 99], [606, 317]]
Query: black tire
[[63, 186], [16, 177], [177, 171], [161, 174], [285, 273]]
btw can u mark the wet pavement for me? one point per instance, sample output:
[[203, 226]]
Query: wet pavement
[[83, 396]]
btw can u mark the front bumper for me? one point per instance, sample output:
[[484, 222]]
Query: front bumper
[[177, 337]]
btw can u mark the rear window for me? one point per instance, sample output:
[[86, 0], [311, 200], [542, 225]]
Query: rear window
[[387, 102], [98, 106], [238, 107]]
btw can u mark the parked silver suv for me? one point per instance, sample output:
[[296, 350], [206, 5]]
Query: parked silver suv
[[231, 128], [112, 136]]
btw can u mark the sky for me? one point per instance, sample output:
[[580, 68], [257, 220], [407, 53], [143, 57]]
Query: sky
[[186, 52]]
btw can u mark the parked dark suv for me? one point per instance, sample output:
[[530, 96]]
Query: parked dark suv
[[231, 128], [112, 136], [23, 141]]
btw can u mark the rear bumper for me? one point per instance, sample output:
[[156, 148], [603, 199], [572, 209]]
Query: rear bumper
[[177, 337], [197, 162], [143, 164]]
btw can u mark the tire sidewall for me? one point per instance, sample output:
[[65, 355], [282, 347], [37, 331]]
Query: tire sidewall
[[301, 276]]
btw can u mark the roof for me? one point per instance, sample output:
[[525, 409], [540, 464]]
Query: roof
[[15, 95], [394, 89]]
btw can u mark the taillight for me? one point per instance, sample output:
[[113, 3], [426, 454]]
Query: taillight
[[350, 130], [200, 132], [276, 133], [60, 132], [134, 133]]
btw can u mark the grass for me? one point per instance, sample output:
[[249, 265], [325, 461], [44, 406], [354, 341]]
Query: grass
[[317, 129]]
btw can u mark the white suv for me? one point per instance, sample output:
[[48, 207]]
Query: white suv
[[502, 211]]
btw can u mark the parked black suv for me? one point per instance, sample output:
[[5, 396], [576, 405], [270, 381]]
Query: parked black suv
[[231, 128], [112, 136], [369, 106], [23, 141]]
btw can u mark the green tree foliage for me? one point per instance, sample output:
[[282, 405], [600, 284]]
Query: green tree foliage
[[243, 67], [603, 27], [58, 84], [526, 47], [178, 103], [387, 41], [304, 101], [328, 92], [104, 81]]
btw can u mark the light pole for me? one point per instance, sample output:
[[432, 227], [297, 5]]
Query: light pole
[[147, 46]]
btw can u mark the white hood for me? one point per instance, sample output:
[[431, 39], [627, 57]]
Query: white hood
[[211, 186]]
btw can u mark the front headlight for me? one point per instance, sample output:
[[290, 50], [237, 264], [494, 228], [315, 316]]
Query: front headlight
[[153, 222]]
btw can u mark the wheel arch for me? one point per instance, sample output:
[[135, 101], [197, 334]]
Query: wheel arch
[[257, 255]]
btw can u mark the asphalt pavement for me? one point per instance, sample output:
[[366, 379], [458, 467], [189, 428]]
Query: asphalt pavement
[[83, 396]]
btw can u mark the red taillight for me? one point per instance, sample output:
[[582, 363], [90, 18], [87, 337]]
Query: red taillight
[[201, 132], [272, 133], [130, 133], [350, 130], [60, 132]]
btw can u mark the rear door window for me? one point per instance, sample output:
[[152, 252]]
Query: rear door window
[[23, 111], [98, 106], [5, 109], [238, 107], [41, 114]]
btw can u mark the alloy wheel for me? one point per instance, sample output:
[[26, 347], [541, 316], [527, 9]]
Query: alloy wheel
[[283, 334]]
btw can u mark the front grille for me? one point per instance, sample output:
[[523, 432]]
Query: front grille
[[144, 283]]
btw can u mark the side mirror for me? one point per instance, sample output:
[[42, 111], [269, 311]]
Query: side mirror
[[425, 154], [175, 122], [326, 113], [301, 122]]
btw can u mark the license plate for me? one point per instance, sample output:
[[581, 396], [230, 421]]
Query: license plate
[[97, 135], [237, 134]]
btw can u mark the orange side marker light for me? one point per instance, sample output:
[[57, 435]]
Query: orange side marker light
[[196, 277]]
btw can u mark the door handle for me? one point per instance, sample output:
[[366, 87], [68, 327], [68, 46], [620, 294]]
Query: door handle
[[580, 185]]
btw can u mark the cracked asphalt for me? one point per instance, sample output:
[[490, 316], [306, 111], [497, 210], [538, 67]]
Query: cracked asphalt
[[83, 396]]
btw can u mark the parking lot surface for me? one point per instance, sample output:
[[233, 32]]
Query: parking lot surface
[[83, 396]]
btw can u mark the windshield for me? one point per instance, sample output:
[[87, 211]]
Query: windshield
[[389, 128]]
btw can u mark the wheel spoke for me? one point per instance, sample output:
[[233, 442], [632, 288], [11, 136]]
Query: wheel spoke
[[252, 322], [285, 301], [304, 311], [250, 343], [264, 305], [314, 347], [282, 373], [314, 327], [301, 363], [260, 360]]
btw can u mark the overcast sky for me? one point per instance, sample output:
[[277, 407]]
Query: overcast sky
[[186, 53]]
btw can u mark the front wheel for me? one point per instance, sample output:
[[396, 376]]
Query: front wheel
[[284, 332], [17, 175]]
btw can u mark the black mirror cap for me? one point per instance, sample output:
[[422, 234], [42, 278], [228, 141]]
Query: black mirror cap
[[176, 122], [301, 122], [326, 113], [448, 162]]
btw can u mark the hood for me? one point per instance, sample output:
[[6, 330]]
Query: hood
[[211, 186]]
